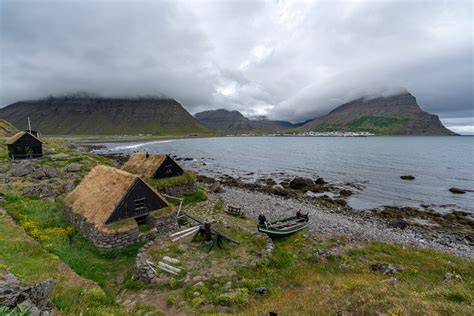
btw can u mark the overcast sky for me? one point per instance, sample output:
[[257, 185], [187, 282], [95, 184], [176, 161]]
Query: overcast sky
[[290, 60]]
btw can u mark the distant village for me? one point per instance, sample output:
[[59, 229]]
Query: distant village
[[312, 134]]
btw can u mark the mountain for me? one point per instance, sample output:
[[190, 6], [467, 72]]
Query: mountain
[[7, 129], [234, 122], [83, 115], [393, 115]]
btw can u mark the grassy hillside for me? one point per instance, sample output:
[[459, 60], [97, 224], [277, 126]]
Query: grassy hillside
[[104, 116], [301, 283], [392, 115], [304, 274], [387, 125], [7, 129]]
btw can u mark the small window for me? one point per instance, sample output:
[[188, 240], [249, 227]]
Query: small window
[[140, 204]]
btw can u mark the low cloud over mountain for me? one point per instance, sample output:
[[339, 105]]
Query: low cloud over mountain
[[287, 60]]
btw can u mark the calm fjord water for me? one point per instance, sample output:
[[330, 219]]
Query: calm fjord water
[[438, 163]]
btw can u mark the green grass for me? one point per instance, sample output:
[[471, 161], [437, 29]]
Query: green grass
[[186, 178], [370, 123], [44, 221], [163, 212], [125, 224], [300, 283], [3, 151], [199, 196], [29, 260]]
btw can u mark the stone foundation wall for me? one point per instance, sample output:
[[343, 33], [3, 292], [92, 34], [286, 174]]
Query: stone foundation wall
[[180, 190], [142, 270], [165, 224], [101, 239]]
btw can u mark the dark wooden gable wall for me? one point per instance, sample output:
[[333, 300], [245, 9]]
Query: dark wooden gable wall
[[169, 168], [138, 201], [25, 147]]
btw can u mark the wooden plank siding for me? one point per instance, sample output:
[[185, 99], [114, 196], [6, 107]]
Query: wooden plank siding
[[25, 147], [168, 168], [127, 207]]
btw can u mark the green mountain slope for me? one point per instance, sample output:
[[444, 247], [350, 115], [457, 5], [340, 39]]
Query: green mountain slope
[[394, 115], [104, 116]]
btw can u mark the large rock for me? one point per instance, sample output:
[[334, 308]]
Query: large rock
[[40, 190], [50, 172], [457, 191], [34, 297], [345, 192], [320, 181], [216, 187], [21, 169], [280, 190], [398, 223], [384, 268], [38, 174], [300, 183], [74, 167]]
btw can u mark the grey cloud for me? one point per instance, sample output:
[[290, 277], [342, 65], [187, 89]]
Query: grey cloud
[[288, 60]]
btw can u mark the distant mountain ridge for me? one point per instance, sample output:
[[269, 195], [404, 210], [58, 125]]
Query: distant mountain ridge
[[234, 122], [86, 115], [393, 115], [83, 114]]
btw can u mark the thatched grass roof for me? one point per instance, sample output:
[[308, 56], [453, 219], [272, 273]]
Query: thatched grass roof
[[144, 165], [17, 136], [99, 193], [7, 129]]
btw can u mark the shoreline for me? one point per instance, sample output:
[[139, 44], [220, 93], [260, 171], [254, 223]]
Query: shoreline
[[331, 216], [357, 226], [99, 139]]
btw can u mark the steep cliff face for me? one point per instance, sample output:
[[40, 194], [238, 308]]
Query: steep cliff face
[[394, 115], [103, 116], [234, 122]]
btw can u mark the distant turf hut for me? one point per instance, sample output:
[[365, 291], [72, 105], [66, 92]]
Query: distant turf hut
[[153, 166], [163, 173], [24, 145], [108, 205]]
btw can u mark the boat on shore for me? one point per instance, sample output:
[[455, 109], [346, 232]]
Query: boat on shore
[[284, 227]]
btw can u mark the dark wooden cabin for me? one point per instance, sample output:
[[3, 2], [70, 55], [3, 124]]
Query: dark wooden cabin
[[152, 166], [24, 145], [108, 195], [32, 132], [138, 202]]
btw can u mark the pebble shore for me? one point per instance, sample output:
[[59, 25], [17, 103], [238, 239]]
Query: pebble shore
[[357, 226]]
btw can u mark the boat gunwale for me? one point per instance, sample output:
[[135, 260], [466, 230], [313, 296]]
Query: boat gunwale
[[287, 231]]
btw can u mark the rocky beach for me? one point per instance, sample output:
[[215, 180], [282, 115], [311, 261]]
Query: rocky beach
[[356, 226], [330, 215]]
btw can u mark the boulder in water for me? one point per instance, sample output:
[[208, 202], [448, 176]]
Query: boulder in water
[[320, 181], [300, 183], [457, 191]]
